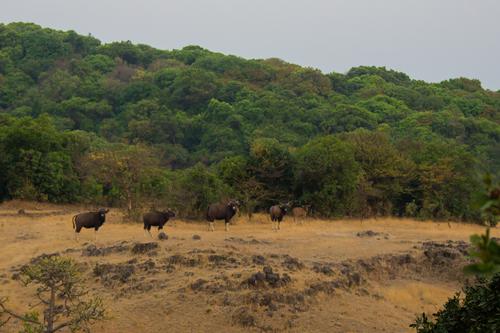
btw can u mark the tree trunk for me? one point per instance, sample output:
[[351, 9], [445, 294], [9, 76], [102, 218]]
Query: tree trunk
[[49, 318]]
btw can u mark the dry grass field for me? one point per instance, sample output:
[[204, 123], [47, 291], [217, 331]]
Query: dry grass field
[[327, 276]]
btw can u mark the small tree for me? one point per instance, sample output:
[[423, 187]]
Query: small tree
[[61, 296]]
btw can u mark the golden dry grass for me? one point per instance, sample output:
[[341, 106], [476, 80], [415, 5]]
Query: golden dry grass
[[166, 309]]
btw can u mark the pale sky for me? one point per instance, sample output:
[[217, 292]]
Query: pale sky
[[432, 40]]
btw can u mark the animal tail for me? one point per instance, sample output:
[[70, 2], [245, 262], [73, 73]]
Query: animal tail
[[73, 220]]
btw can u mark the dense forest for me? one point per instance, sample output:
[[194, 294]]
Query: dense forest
[[129, 125]]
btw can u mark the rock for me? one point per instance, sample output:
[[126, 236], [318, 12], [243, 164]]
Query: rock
[[162, 236], [268, 278], [244, 317], [198, 284], [371, 233], [178, 259], [110, 272], [143, 248], [258, 260], [292, 263], [196, 237], [93, 251], [323, 269]]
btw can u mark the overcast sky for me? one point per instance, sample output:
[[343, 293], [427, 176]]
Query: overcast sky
[[432, 40]]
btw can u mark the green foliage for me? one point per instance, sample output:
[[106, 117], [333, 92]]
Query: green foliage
[[476, 312], [484, 248], [479, 310], [326, 173], [410, 144], [487, 250]]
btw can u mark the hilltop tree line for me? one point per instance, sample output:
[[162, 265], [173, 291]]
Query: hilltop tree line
[[129, 125]]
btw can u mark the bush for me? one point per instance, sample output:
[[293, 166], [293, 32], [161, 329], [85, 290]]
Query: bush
[[478, 311]]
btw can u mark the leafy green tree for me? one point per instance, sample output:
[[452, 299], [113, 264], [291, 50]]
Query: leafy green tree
[[326, 174], [270, 163]]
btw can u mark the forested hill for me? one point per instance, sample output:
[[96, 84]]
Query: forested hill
[[126, 124]]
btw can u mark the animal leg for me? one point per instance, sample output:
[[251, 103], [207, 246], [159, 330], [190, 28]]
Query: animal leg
[[279, 222], [77, 238], [226, 226], [95, 235]]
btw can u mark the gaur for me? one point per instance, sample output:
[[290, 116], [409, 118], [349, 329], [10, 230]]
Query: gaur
[[89, 220], [156, 219], [277, 212], [300, 213], [220, 211]]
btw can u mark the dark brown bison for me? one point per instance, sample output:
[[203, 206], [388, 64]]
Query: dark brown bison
[[156, 219], [300, 213], [277, 212], [221, 211], [89, 220]]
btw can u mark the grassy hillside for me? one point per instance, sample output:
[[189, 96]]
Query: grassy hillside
[[125, 124]]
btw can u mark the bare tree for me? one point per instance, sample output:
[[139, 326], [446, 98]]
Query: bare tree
[[64, 302]]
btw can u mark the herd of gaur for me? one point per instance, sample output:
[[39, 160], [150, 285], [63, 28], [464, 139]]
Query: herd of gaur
[[217, 211]]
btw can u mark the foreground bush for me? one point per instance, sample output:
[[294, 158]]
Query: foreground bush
[[478, 311]]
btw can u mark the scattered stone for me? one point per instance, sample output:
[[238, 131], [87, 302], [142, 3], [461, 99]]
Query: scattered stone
[[37, 259], [145, 248], [148, 265], [93, 251], [244, 317], [253, 241], [180, 260], [292, 264], [371, 233], [198, 284], [323, 269], [222, 260], [268, 278], [110, 272], [442, 255], [162, 236], [196, 237], [258, 260]]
